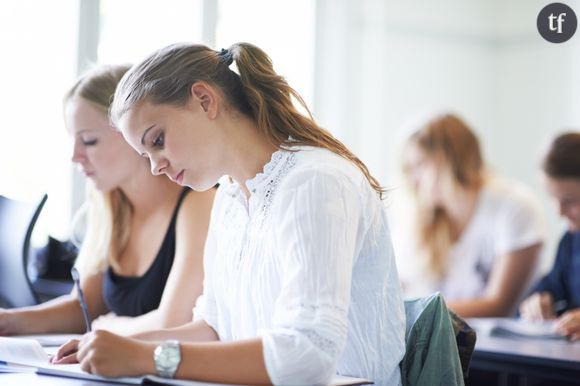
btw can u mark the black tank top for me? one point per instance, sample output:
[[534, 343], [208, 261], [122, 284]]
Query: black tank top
[[138, 295]]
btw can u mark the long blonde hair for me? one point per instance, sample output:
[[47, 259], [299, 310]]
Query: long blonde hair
[[447, 141], [107, 214], [257, 92]]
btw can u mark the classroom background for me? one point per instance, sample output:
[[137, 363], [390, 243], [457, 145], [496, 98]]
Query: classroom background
[[366, 67]]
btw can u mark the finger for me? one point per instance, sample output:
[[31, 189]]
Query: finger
[[546, 307], [86, 365], [535, 310], [69, 359], [525, 310], [66, 349]]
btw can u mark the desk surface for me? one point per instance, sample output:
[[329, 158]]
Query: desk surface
[[554, 359], [551, 350]]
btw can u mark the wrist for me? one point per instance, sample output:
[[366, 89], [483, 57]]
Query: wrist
[[146, 364], [14, 322]]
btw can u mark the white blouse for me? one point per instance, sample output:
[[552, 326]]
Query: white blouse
[[307, 265]]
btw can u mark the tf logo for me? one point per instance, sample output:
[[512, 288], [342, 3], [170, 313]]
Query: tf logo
[[557, 22]]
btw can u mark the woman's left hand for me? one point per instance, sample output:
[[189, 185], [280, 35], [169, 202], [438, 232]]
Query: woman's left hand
[[106, 354], [569, 324]]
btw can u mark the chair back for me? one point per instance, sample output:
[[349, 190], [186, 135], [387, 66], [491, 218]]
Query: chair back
[[431, 356], [17, 220]]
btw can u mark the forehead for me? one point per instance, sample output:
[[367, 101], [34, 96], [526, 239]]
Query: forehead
[[82, 115], [564, 185]]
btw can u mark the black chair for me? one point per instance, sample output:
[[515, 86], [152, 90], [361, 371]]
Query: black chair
[[17, 220]]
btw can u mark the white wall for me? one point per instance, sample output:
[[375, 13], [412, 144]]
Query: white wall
[[380, 63]]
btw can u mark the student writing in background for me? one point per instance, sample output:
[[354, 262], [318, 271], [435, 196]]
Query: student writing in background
[[476, 236], [300, 278], [141, 257], [557, 295]]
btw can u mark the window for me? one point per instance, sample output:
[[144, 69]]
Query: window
[[39, 40], [284, 29]]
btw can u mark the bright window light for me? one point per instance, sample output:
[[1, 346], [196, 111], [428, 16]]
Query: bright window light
[[39, 41]]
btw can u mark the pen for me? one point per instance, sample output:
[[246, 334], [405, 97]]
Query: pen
[[84, 308]]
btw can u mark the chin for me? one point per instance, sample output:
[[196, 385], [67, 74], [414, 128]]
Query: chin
[[200, 186]]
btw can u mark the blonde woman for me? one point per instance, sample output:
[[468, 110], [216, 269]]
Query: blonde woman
[[300, 279], [476, 236], [141, 258]]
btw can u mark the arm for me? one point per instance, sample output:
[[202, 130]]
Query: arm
[[510, 274], [101, 352], [551, 288], [185, 281], [198, 331], [59, 315], [191, 332]]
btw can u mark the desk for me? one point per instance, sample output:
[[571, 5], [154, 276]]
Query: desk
[[525, 361]]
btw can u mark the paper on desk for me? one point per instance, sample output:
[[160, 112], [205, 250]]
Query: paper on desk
[[22, 352], [508, 327], [51, 340]]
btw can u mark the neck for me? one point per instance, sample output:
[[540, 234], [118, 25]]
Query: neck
[[147, 192], [461, 208], [247, 150]]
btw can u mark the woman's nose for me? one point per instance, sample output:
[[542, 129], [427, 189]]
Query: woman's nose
[[78, 154]]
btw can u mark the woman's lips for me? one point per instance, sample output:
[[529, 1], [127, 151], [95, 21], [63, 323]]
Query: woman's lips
[[178, 178]]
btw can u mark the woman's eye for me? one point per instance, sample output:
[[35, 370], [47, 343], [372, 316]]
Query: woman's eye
[[90, 142], [159, 140]]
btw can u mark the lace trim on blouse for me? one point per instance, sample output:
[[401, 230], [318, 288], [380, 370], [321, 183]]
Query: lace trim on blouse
[[323, 344], [281, 163]]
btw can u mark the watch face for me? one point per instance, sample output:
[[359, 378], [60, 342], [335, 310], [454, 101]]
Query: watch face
[[167, 356]]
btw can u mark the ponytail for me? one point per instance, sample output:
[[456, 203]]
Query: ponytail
[[255, 90]]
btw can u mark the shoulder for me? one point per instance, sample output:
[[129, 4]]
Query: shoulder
[[195, 207], [316, 167], [506, 195]]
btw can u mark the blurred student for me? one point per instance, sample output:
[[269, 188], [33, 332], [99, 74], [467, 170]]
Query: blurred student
[[141, 257], [300, 278], [557, 295], [476, 236]]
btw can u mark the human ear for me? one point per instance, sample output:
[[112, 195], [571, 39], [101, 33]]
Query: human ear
[[206, 98]]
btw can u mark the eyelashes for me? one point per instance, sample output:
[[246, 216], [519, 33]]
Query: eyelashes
[[159, 141], [90, 142]]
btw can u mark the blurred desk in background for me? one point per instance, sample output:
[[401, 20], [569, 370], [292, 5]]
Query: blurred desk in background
[[522, 361]]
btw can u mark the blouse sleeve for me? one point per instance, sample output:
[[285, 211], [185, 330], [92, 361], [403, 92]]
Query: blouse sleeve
[[318, 219], [555, 281]]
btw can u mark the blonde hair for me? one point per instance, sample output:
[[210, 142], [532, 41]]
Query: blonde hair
[[108, 214], [447, 141], [257, 92]]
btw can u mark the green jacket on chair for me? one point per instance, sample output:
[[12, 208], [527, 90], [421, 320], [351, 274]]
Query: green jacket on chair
[[431, 357]]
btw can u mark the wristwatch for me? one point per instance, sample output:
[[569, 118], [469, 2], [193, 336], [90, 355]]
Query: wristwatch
[[167, 358]]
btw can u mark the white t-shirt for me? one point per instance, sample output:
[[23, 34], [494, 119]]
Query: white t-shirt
[[507, 218], [306, 264]]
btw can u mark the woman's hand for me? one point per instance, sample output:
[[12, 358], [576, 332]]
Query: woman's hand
[[537, 307], [569, 324], [109, 355], [67, 353]]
